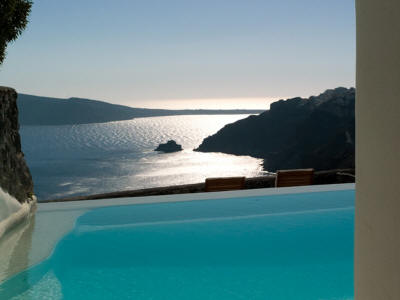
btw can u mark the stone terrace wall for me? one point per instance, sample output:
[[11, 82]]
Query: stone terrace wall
[[15, 178]]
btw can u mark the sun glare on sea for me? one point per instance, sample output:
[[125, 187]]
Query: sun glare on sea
[[201, 166], [210, 103]]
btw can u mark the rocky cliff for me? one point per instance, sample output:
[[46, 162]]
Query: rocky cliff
[[36, 110], [15, 178], [317, 132]]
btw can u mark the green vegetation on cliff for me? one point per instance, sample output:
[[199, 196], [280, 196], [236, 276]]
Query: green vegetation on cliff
[[13, 20]]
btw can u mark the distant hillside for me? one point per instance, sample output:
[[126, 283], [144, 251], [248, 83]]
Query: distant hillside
[[36, 110], [317, 132]]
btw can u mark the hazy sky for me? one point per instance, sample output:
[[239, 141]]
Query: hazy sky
[[175, 53]]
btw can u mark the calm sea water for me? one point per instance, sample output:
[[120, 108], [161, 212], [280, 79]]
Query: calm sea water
[[97, 158]]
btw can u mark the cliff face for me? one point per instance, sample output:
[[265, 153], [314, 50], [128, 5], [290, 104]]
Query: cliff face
[[36, 110], [317, 132], [15, 178]]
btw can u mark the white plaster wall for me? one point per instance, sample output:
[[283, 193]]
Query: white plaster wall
[[12, 212], [8, 205], [377, 225]]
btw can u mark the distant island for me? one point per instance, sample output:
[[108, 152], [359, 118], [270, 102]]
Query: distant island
[[36, 110], [169, 147], [317, 132]]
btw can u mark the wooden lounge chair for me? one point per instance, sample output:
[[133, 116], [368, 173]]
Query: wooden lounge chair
[[297, 177], [224, 184]]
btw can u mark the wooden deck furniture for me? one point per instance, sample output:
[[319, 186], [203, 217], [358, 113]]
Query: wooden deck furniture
[[224, 184], [296, 177]]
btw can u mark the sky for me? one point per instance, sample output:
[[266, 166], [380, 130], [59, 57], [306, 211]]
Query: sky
[[184, 53]]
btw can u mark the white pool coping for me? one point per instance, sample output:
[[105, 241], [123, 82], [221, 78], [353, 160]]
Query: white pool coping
[[88, 204], [34, 241]]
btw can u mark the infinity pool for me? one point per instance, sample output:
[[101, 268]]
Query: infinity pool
[[294, 246]]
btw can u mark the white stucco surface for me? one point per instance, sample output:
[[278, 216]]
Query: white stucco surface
[[8, 205]]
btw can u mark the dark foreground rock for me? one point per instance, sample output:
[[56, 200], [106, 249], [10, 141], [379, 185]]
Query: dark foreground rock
[[317, 132], [15, 177], [168, 147]]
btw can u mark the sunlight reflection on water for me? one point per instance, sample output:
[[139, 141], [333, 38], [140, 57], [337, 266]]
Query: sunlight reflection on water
[[105, 157]]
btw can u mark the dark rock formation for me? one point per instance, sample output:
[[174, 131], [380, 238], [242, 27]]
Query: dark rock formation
[[15, 177], [317, 132], [168, 147]]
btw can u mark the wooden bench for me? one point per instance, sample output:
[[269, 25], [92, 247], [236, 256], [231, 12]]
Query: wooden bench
[[224, 184], [296, 177]]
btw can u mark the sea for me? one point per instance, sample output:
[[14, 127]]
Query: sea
[[74, 160]]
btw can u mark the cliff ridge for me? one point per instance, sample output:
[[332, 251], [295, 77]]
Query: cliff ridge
[[316, 132]]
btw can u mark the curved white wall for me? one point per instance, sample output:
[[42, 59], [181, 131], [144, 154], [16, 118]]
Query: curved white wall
[[8, 205], [12, 212]]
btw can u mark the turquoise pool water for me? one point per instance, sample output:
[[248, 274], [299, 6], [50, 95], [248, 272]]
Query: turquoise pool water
[[297, 246]]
